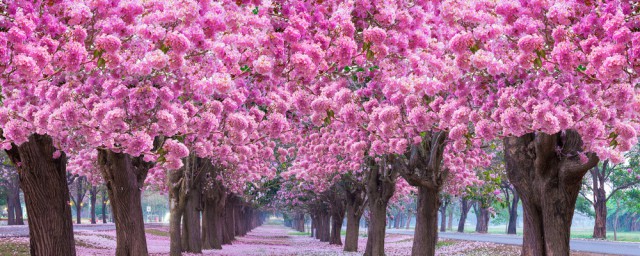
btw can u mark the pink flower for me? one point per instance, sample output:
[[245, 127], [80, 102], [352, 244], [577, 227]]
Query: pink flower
[[263, 65], [374, 35], [108, 43], [530, 43]]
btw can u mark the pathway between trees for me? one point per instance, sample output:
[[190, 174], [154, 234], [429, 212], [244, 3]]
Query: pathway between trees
[[583, 245]]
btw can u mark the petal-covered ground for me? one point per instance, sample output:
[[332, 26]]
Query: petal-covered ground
[[264, 240]]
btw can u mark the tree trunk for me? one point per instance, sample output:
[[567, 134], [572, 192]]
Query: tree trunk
[[464, 209], [79, 198], [381, 184], [124, 176], [426, 231], [450, 224], [230, 218], [547, 173], [443, 216], [211, 218], [482, 220], [11, 205], [599, 203], [104, 205], [513, 213], [44, 183], [337, 217], [325, 227], [409, 213], [355, 199], [176, 210], [93, 196], [191, 228]]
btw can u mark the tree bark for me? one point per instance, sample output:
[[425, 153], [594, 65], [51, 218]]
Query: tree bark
[[355, 207], [482, 218], [80, 192], [104, 205], [93, 196], [230, 220], [426, 231], [43, 180], [464, 210], [381, 184], [443, 215], [214, 202], [124, 176], [513, 213], [191, 228], [599, 201], [546, 170], [450, 224]]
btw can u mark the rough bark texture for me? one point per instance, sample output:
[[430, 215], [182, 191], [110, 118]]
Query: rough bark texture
[[337, 208], [14, 206], [464, 210], [426, 231], [124, 177], [230, 227], [546, 170], [44, 183], [355, 198], [381, 184]]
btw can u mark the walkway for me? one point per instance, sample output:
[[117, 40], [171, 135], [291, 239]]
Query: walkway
[[582, 245]]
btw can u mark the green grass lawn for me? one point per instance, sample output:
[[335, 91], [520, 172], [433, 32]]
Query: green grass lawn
[[585, 233], [156, 232]]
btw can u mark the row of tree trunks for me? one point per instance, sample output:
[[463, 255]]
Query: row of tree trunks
[[297, 222]]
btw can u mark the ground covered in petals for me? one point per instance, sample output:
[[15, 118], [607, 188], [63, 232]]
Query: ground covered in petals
[[265, 240]]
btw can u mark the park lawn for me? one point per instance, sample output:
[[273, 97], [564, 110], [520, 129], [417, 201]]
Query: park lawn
[[582, 233]]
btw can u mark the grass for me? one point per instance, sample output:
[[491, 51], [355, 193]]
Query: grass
[[156, 232], [583, 233], [13, 248], [296, 233], [444, 243]]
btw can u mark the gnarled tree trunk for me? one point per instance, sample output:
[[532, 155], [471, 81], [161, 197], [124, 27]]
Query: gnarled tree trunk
[[44, 182], [482, 218], [426, 231], [124, 176], [546, 170]]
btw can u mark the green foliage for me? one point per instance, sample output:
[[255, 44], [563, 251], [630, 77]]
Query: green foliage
[[583, 206]]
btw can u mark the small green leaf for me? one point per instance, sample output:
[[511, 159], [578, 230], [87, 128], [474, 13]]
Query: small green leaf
[[347, 68], [370, 55], [245, 68], [97, 53], [359, 69], [474, 48], [541, 54], [374, 68], [537, 63], [581, 68], [423, 134], [366, 46], [255, 11], [101, 63], [164, 48], [330, 113], [613, 143]]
